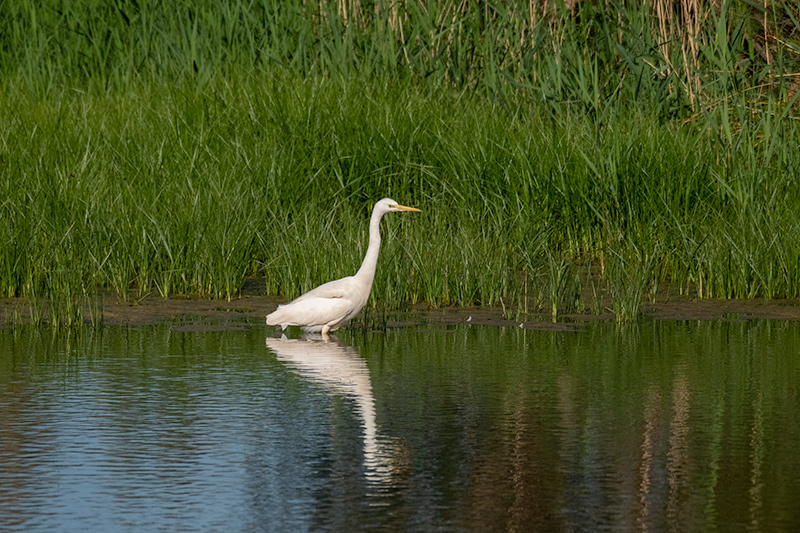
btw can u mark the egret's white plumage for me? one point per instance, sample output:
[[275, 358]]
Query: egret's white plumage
[[333, 304]]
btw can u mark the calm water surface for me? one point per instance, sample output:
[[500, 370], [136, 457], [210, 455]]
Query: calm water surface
[[661, 426]]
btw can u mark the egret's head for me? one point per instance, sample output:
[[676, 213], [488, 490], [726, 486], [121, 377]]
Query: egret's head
[[387, 204]]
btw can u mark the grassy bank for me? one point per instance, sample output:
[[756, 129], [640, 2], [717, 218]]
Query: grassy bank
[[184, 150]]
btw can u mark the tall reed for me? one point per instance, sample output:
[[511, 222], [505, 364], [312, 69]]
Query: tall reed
[[674, 56]]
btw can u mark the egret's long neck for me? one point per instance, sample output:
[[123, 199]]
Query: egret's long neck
[[367, 270]]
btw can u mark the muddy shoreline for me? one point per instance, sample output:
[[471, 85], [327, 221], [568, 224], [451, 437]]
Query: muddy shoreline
[[249, 309]]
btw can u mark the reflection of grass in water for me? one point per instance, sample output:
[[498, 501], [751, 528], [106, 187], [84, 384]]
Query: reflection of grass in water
[[201, 172], [579, 410]]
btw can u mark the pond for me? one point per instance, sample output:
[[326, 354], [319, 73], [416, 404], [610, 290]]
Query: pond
[[662, 425]]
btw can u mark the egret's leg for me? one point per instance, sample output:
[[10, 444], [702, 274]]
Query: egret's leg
[[325, 329]]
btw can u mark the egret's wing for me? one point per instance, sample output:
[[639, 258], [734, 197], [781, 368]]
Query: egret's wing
[[340, 288], [311, 311], [328, 304]]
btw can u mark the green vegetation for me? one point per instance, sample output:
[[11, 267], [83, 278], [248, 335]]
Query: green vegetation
[[182, 147]]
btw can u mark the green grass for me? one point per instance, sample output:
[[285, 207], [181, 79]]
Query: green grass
[[183, 149], [671, 57]]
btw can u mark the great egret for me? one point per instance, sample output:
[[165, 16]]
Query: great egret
[[333, 304]]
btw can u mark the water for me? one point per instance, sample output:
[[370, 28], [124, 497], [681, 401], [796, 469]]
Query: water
[[660, 426]]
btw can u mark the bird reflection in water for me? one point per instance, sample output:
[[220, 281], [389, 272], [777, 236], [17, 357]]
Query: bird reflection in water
[[340, 369]]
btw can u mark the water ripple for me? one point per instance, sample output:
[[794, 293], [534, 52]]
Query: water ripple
[[484, 429]]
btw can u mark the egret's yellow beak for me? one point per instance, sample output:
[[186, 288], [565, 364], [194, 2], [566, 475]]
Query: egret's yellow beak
[[404, 208]]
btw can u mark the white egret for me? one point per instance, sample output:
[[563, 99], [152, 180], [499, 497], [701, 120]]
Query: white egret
[[333, 304]]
